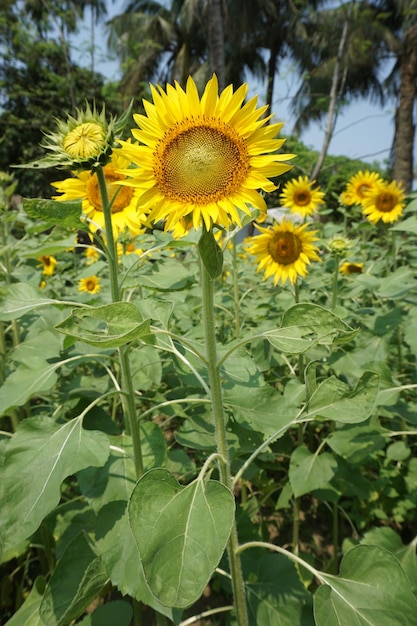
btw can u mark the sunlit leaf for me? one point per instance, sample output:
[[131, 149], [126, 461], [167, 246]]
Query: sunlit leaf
[[66, 214], [371, 590], [39, 456], [309, 471], [28, 614], [107, 326], [181, 533], [211, 254]]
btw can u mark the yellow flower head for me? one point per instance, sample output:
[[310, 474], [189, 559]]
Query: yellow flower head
[[201, 160], [284, 250], [84, 186], [358, 187], [300, 197], [385, 202], [91, 284], [91, 254], [351, 268], [48, 263]]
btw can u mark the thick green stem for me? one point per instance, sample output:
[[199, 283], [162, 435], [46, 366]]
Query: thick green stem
[[221, 440], [335, 283], [236, 290], [128, 392]]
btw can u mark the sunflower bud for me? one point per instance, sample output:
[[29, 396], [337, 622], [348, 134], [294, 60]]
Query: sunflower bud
[[338, 245], [84, 142]]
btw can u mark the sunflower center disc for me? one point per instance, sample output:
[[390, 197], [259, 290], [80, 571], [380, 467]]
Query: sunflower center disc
[[122, 199], [284, 248], [201, 165], [385, 202], [302, 198]]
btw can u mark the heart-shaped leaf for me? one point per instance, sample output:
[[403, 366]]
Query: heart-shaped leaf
[[181, 533]]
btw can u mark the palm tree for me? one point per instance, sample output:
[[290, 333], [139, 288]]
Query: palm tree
[[161, 44]]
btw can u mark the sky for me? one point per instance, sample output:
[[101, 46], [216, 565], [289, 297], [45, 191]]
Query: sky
[[363, 130]]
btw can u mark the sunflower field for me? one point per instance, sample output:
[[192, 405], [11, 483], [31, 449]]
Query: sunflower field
[[208, 379]]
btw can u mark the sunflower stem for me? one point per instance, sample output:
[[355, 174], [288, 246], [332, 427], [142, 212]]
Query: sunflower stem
[[221, 440], [128, 392], [335, 282], [236, 289]]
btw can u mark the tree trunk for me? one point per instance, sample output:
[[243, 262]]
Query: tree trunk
[[404, 124], [215, 19]]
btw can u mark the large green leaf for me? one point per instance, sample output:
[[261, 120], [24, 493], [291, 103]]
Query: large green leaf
[[77, 579], [20, 298], [39, 456], [371, 590], [28, 614], [181, 533], [306, 325], [309, 471], [276, 596], [26, 381], [117, 547], [107, 326], [357, 443], [66, 214], [115, 481], [335, 400]]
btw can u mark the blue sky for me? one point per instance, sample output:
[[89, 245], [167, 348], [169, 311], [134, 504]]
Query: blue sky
[[363, 130]]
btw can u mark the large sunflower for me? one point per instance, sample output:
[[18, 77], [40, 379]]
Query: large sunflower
[[84, 186], [284, 250], [201, 160], [300, 197], [358, 186], [385, 202]]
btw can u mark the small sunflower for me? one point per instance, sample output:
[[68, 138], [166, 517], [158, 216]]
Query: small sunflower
[[200, 161], [91, 284], [284, 250], [48, 263], [358, 187], [85, 186], [385, 202], [300, 197], [351, 268]]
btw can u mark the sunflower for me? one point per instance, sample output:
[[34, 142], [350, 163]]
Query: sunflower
[[300, 197], [84, 186], [385, 202], [358, 186], [351, 268], [202, 160], [91, 284], [284, 250], [48, 263]]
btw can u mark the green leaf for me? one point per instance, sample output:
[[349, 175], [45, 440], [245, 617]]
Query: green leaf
[[107, 326], [356, 443], [409, 225], [66, 214], [28, 614], [266, 410], [306, 325], [109, 614], [117, 547], [39, 456], [372, 590], [77, 579], [334, 400], [309, 472], [180, 532], [115, 481], [211, 254], [275, 594], [26, 381], [20, 298], [170, 275]]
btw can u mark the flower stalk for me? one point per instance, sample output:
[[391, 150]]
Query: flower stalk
[[221, 440], [128, 392]]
